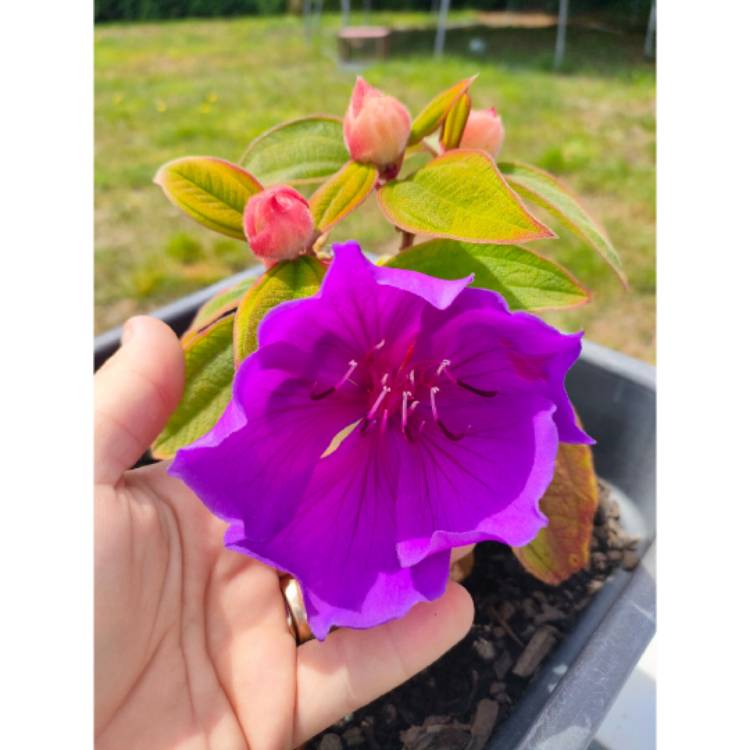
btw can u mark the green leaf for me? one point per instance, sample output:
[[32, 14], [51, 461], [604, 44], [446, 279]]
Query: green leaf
[[221, 304], [288, 280], [298, 152], [429, 119], [527, 281], [210, 190], [562, 548], [460, 195], [545, 190], [455, 122], [342, 193], [209, 370]]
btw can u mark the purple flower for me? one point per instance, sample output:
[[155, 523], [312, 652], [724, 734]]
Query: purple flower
[[382, 422]]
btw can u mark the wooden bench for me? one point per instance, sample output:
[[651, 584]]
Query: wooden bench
[[363, 43]]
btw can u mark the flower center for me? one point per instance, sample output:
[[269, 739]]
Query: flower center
[[408, 394]]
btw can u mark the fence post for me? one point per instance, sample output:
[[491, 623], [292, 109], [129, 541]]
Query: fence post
[[650, 43], [562, 27], [442, 21]]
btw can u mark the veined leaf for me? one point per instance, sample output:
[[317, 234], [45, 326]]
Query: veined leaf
[[429, 119], [545, 190], [297, 152], [562, 548], [285, 281], [460, 195], [527, 281], [454, 123], [342, 193], [209, 371], [221, 304], [210, 190]]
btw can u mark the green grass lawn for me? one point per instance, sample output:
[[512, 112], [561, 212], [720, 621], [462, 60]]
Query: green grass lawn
[[165, 90]]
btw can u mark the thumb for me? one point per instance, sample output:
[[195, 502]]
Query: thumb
[[135, 392]]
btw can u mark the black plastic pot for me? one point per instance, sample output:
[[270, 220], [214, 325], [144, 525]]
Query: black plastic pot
[[570, 696]]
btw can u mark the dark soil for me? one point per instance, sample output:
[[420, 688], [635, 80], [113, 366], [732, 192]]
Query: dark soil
[[456, 703]]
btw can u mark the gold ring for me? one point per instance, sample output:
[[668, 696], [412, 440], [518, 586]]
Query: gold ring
[[296, 616]]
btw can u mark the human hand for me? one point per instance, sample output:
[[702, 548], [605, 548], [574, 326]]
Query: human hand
[[192, 647]]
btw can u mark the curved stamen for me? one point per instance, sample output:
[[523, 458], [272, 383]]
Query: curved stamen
[[451, 435], [383, 420], [443, 368], [439, 422], [478, 391], [328, 391], [405, 396], [379, 400]]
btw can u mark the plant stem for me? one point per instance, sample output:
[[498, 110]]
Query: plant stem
[[407, 240]]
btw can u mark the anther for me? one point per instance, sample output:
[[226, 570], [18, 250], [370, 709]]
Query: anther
[[478, 391], [439, 422]]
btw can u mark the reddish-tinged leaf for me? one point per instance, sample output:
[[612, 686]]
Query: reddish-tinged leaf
[[209, 371], [212, 191], [221, 304], [540, 187], [430, 118], [302, 151], [460, 195], [562, 548], [342, 193], [454, 123], [285, 281]]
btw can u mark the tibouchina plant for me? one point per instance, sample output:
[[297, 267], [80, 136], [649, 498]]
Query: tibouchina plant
[[353, 422]]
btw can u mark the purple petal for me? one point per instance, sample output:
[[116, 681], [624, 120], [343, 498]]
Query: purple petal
[[485, 485], [271, 428], [491, 347], [339, 541]]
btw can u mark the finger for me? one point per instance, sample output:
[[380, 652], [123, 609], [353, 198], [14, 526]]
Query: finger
[[135, 392], [353, 667]]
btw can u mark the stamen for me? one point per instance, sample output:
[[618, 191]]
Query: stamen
[[380, 345], [433, 391], [322, 394], [478, 391], [439, 422], [379, 400], [405, 396], [347, 375], [451, 435], [443, 368], [328, 391]]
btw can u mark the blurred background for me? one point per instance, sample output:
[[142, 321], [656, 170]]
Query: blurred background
[[194, 77]]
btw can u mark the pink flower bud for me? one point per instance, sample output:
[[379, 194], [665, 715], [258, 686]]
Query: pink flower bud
[[484, 129], [376, 126], [278, 224]]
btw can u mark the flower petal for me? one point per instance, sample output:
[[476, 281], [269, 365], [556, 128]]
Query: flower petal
[[485, 485], [491, 347], [340, 541], [271, 427]]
